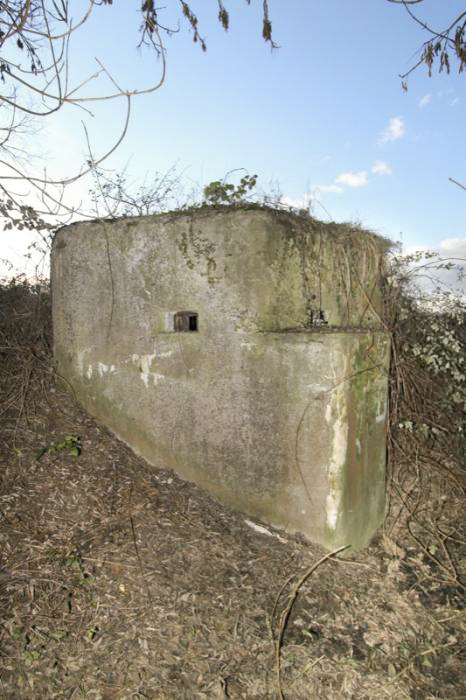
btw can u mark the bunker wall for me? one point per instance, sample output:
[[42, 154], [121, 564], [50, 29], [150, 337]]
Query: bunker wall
[[275, 399]]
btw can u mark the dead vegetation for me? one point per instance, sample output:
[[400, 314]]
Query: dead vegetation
[[119, 581]]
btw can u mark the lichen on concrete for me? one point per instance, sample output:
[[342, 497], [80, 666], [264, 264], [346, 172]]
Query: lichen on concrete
[[273, 414]]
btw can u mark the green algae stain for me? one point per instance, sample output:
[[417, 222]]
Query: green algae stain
[[362, 478]]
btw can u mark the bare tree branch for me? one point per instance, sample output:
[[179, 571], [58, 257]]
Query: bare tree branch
[[455, 182], [442, 44], [35, 70]]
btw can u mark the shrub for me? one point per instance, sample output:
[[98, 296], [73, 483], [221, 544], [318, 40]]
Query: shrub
[[428, 379]]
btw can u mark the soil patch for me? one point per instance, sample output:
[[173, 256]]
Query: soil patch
[[121, 581]]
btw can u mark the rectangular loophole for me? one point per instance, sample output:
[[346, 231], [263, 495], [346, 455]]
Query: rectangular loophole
[[185, 321], [317, 317]]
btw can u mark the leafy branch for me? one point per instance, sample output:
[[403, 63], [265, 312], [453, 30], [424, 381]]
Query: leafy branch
[[221, 192]]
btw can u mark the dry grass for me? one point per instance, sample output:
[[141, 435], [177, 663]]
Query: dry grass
[[119, 581]]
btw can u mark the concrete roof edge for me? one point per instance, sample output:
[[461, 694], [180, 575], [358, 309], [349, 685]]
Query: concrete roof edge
[[285, 215]]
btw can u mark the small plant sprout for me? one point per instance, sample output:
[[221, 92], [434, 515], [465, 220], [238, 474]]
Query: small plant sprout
[[30, 657], [70, 443]]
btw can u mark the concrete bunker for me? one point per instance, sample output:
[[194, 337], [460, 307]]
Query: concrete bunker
[[242, 347]]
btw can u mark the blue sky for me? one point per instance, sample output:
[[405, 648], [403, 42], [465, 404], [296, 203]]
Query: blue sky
[[324, 116]]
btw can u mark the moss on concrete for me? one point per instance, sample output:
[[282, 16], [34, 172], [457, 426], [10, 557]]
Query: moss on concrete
[[257, 403], [362, 477]]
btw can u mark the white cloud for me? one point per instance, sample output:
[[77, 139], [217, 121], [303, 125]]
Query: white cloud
[[381, 168], [395, 130], [310, 199], [413, 249], [431, 276], [453, 247], [424, 100], [454, 101], [303, 203], [352, 179], [328, 188], [449, 247]]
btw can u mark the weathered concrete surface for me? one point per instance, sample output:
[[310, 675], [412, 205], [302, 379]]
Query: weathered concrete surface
[[279, 418]]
